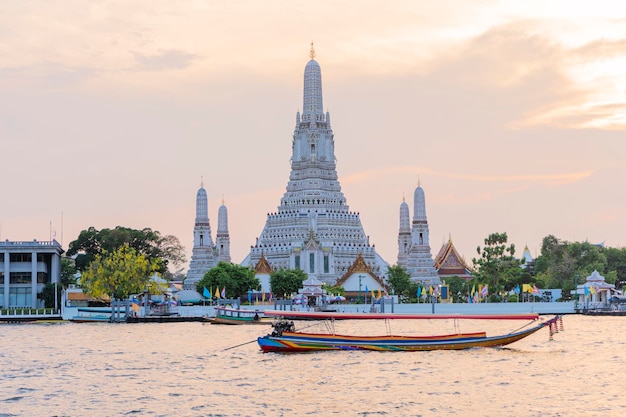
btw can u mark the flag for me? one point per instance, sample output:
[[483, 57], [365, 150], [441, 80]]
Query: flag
[[536, 290], [517, 290], [473, 289], [249, 296], [224, 292], [419, 291], [366, 290], [217, 292], [373, 295], [271, 295], [485, 291], [593, 290], [263, 296], [135, 307], [527, 288], [385, 291], [586, 291], [378, 296], [206, 293], [430, 290]]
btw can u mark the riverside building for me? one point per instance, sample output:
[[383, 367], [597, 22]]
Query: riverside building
[[25, 269], [313, 228]]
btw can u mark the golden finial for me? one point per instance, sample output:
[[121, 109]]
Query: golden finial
[[312, 51]]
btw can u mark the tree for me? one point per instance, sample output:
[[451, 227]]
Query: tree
[[68, 272], [117, 274], [236, 280], [159, 250], [286, 281], [398, 279], [333, 290], [496, 261]]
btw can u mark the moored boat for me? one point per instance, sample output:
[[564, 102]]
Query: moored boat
[[237, 317]]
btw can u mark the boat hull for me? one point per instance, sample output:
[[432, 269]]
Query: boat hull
[[291, 342], [239, 320]]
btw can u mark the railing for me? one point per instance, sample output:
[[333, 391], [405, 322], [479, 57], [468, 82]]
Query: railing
[[20, 312]]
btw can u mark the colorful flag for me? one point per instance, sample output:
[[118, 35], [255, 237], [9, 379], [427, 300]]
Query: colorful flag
[[217, 292], [373, 295], [473, 289], [593, 290], [206, 293], [378, 295], [586, 291], [419, 291], [485, 291], [366, 290], [517, 290], [249, 296], [430, 290], [224, 292], [271, 295], [536, 290]]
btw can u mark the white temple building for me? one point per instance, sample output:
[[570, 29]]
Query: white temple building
[[314, 229], [414, 242], [206, 254]]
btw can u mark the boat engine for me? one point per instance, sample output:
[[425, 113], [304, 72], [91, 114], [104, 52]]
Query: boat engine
[[282, 326]]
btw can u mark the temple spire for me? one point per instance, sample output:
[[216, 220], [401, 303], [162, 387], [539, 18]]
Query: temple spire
[[312, 51]]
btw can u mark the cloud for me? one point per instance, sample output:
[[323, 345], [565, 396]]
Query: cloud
[[170, 59]]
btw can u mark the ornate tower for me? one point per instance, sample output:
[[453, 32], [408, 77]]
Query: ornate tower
[[203, 254], [404, 234], [314, 229], [419, 263], [222, 240]]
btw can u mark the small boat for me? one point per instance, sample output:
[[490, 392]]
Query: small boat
[[96, 315], [236, 317], [286, 339]]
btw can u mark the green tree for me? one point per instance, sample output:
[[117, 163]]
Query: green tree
[[159, 250], [68, 272], [497, 261], [286, 281], [117, 274], [235, 279], [333, 290], [399, 280]]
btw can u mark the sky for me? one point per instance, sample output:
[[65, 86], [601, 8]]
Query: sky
[[511, 115]]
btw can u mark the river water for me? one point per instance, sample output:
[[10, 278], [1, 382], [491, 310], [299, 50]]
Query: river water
[[190, 369]]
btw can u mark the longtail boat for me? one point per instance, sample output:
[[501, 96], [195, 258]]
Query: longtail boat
[[286, 339]]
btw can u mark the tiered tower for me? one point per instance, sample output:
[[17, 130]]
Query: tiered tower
[[314, 229], [203, 254], [222, 240], [417, 258]]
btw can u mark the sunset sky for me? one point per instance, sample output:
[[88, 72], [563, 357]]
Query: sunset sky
[[511, 115]]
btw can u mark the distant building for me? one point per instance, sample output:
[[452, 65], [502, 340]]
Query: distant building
[[414, 242], [205, 254], [314, 229], [449, 263], [25, 269]]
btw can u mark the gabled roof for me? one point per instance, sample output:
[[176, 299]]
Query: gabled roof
[[449, 262], [263, 267], [359, 266]]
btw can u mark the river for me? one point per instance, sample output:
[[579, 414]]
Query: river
[[192, 369]]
